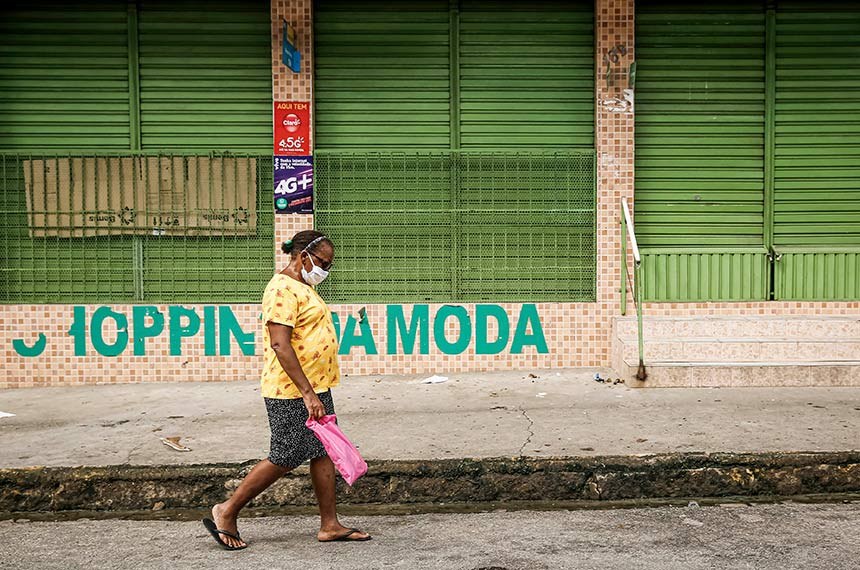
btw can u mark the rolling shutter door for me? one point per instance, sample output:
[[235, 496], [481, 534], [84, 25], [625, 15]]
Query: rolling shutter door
[[205, 75], [700, 110], [526, 77], [381, 75], [64, 76], [382, 84], [817, 160], [63, 87], [206, 84], [526, 74], [451, 225]]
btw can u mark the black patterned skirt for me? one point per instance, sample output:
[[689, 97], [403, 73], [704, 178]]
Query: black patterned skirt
[[292, 442]]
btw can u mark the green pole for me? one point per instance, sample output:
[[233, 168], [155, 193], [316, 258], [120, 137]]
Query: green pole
[[623, 265], [641, 375]]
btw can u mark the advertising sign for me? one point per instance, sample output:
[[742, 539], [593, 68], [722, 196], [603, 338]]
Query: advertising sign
[[292, 128], [294, 184], [291, 56]]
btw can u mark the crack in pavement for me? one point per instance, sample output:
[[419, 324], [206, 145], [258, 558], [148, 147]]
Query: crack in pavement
[[530, 430], [132, 451]]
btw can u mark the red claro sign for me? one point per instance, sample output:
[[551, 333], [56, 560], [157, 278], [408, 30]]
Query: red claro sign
[[292, 128]]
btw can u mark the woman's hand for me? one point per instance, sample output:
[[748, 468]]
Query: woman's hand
[[315, 407]]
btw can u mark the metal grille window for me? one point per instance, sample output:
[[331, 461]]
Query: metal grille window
[[459, 225], [134, 227]]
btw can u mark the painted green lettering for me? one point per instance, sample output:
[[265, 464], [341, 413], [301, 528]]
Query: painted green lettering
[[209, 325], [335, 320], [177, 330], [419, 326], [78, 330], [529, 316], [363, 339], [482, 315], [229, 326], [464, 336], [23, 349], [97, 335], [139, 315]]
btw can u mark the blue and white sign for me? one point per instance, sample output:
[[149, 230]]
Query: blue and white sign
[[294, 184], [291, 56]]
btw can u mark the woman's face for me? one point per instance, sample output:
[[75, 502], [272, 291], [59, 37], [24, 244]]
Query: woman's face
[[322, 256]]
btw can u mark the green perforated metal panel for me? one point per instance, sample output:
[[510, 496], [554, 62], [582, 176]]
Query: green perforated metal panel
[[63, 75], [526, 74], [458, 226], [205, 75], [59, 261], [223, 268], [700, 125], [381, 77], [817, 150]]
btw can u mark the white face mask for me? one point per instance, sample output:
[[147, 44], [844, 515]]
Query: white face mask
[[316, 275]]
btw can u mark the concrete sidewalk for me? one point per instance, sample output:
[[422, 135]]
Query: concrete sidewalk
[[560, 413], [547, 435]]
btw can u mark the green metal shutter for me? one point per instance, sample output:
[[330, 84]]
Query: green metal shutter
[[526, 83], [381, 84], [817, 154], [700, 110], [381, 75], [398, 188], [63, 86], [206, 84], [205, 75], [526, 74], [64, 76]]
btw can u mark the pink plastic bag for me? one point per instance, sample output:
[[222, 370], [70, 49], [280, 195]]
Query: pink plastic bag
[[342, 452]]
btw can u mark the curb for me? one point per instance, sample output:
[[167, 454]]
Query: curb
[[497, 480]]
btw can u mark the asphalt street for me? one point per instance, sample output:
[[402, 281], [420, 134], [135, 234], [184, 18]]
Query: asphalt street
[[779, 536]]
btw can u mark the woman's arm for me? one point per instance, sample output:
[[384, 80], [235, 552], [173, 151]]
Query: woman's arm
[[280, 338]]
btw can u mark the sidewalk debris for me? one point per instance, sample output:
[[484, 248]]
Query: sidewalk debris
[[173, 443], [435, 380], [6, 415], [610, 381], [540, 394]]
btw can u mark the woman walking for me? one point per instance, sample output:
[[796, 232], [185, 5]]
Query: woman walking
[[300, 367]]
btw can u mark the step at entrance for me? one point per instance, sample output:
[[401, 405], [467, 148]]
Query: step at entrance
[[740, 351]]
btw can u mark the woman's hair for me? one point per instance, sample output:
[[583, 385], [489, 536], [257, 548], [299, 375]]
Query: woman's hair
[[302, 240]]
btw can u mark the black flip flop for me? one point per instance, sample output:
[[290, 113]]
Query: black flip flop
[[217, 532], [345, 537]]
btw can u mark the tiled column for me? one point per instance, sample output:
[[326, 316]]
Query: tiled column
[[289, 86], [614, 35]]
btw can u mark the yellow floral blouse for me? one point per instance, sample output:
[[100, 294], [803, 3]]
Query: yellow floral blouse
[[294, 304]]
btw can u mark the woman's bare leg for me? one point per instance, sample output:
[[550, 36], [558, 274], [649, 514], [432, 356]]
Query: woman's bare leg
[[258, 480], [322, 476]]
